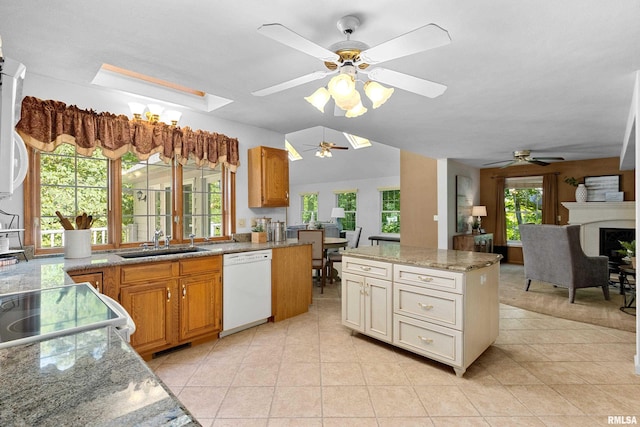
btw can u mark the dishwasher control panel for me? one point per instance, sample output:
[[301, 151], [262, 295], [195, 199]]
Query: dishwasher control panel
[[246, 257]]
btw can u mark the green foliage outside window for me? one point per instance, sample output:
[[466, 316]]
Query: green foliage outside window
[[309, 206], [390, 211], [347, 201], [522, 206]]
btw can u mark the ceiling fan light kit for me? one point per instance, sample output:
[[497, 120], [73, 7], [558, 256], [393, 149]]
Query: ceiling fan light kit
[[349, 57]]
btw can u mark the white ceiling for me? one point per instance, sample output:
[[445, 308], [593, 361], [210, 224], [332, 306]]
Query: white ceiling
[[552, 76]]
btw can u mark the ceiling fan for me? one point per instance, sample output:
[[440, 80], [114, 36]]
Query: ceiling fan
[[523, 157], [351, 57], [324, 149]]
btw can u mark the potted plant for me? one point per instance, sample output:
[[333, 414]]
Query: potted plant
[[258, 234], [629, 250]]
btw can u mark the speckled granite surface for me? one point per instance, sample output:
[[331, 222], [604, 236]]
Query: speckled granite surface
[[424, 257], [91, 378]]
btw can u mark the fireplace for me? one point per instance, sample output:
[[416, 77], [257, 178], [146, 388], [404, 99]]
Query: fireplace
[[610, 242], [594, 216]]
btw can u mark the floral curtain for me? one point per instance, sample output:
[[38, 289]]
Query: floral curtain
[[45, 124]]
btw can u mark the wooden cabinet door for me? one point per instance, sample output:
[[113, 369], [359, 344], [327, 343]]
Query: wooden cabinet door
[[291, 281], [95, 279], [353, 301], [268, 177], [378, 309], [152, 307], [200, 305]]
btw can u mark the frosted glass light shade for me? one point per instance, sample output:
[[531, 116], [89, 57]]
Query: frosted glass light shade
[[356, 111], [341, 85], [136, 108], [348, 102], [319, 98], [377, 93], [155, 109]]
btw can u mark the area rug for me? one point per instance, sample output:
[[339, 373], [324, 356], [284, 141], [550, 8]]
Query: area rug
[[589, 306]]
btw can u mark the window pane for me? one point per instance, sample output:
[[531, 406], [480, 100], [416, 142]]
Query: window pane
[[72, 184], [348, 201], [202, 201], [146, 198], [309, 205], [522, 206], [390, 212]]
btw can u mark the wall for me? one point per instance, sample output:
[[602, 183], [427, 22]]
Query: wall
[[102, 99], [368, 201], [566, 193]]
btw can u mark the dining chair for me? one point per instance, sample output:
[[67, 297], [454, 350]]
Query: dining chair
[[337, 256], [318, 261]]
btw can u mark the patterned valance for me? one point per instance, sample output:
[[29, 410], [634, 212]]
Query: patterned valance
[[44, 125]]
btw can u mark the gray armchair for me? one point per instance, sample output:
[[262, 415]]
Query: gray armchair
[[552, 254]]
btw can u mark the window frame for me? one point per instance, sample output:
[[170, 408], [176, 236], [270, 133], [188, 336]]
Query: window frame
[[383, 211], [527, 182], [302, 206], [347, 212], [32, 206]]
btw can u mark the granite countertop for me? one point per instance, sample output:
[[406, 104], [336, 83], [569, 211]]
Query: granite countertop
[[90, 378], [441, 259], [50, 271]]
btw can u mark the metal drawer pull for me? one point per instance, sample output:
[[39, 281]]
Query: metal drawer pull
[[365, 268], [425, 306], [168, 294], [184, 291], [425, 279], [425, 339]]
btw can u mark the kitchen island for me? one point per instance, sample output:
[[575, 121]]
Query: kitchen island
[[94, 377], [440, 304]]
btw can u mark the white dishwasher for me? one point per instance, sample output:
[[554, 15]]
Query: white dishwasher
[[246, 290]]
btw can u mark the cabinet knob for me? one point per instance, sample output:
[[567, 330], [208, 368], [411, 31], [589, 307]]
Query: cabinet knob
[[425, 339]]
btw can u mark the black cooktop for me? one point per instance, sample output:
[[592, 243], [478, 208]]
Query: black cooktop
[[37, 315]]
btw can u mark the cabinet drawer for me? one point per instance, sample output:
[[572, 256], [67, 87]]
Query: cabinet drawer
[[433, 341], [146, 272], [366, 267], [443, 308], [429, 278], [200, 265]]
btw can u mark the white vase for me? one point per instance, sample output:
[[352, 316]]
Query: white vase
[[581, 193]]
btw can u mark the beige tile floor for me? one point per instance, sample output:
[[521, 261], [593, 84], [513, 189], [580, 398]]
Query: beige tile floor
[[312, 371]]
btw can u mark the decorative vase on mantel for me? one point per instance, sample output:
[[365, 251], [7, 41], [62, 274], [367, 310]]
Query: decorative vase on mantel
[[581, 193]]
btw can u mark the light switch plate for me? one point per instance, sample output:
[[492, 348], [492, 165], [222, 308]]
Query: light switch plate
[[242, 222]]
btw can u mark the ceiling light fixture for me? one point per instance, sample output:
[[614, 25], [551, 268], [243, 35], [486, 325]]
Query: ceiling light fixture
[[153, 113], [342, 88]]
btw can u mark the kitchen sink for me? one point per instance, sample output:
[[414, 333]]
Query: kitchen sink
[[158, 252]]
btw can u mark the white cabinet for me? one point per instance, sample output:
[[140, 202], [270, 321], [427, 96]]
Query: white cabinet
[[367, 304], [448, 316]]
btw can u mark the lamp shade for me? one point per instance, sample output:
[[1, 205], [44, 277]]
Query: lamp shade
[[479, 211], [337, 213]]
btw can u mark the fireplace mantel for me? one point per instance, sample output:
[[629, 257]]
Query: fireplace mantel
[[595, 215]]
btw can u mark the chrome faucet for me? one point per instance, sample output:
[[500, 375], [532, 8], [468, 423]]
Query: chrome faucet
[[191, 237], [167, 240], [156, 238]]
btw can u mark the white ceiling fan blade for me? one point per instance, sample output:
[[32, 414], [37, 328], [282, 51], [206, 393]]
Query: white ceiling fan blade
[[424, 38], [317, 75], [282, 34], [406, 82]]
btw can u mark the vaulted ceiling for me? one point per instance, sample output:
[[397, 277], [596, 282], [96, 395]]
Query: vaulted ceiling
[[555, 77]]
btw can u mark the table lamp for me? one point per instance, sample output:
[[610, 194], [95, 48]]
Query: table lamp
[[478, 211], [338, 214]]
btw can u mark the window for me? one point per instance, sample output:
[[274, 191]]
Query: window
[[522, 203], [348, 201], [142, 193], [72, 184], [390, 211], [309, 205]]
